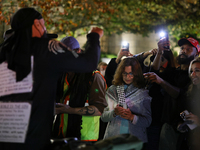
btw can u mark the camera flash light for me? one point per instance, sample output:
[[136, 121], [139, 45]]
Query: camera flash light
[[162, 34], [124, 43]]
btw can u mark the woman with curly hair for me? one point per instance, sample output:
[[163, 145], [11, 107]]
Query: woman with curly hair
[[129, 105]]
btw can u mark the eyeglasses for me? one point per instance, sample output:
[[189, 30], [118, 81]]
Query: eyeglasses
[[125, 74]]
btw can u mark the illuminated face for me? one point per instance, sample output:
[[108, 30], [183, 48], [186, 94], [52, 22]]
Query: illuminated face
[[128, 75], [187, 50], [187, 54], [102, 69], [195, 73], [38, 28]]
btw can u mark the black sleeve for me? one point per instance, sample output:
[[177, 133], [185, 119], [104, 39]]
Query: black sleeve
[[141, 59], [87, 62], [110, 71], [168, 75]]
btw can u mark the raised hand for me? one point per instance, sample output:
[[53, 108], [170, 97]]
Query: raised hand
[[97, 30], [57, 47], [162, 44], [153, 77], [122, 53]]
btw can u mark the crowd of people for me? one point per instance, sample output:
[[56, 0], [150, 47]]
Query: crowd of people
[[73, 95]]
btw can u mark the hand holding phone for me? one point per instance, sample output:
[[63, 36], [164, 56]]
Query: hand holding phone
[[188, 121], [164, 40], [97, 30], [163, 45], [183, 114], [167, 40], [125, 46]]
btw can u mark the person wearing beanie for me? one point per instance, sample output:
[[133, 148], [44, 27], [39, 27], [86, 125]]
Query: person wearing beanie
[[81, 103], [71, 42], [29, 51], [174, 83]]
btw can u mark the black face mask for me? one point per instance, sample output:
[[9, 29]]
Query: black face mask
[[185, 59]]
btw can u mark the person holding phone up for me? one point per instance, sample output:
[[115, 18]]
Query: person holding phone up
[[174, 82], [124, 52]]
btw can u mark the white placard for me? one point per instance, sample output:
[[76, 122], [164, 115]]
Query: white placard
[[14, 120], [8, 84]]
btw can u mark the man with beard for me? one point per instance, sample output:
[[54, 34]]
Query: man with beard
[[174, 83], [189, 49]]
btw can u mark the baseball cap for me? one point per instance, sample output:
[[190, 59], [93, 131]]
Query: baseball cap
[[71, 42], [191, 40]]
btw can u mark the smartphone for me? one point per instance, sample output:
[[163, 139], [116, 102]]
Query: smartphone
[[120, 105], [164, 34], [167, 39], [124, 105], [183, 114], [125, 46]]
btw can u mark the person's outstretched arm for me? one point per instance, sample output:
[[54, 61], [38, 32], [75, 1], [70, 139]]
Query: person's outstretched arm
[[161, 47], [83, 111], [66, 61], [170, 89]]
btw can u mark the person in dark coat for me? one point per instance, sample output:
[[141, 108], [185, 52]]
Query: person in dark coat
[[50, 60]]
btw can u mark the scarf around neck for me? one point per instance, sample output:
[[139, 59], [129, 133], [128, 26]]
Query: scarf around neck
[[16, 50]]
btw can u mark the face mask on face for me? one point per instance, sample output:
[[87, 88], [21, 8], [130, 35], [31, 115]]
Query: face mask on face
[[103, 72], [185, 59]]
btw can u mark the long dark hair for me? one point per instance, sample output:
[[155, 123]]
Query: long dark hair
[[79, 88], [170, 57], [138, 80]]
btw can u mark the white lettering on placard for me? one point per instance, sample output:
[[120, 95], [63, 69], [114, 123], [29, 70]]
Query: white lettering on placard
[[8, 84], [14, 120]]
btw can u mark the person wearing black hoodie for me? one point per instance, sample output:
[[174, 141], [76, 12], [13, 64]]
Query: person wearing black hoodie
[[50, 59]]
